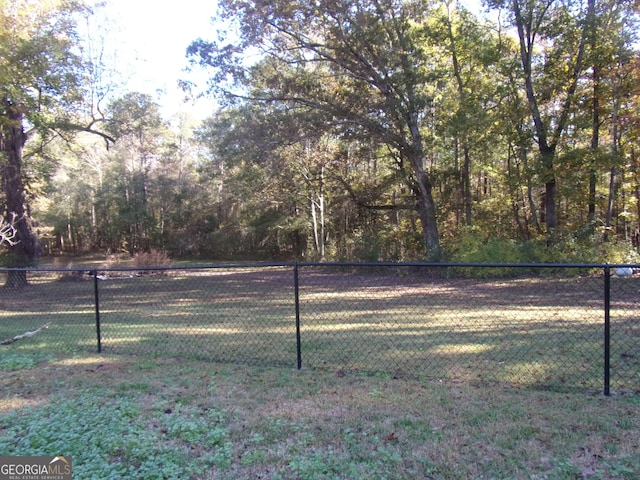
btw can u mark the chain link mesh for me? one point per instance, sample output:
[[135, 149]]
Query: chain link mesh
[[236, 315], [62, 300], [544, 329], [625, 333]]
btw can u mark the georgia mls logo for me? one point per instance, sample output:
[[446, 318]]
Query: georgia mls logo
[[35, 468], [60, 465]]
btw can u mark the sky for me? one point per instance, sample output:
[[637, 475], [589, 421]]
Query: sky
[[149, 38]]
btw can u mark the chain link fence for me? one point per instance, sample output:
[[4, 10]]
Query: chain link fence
[[561, 327]]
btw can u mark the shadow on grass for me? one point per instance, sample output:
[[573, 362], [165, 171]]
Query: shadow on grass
[[542, 332]]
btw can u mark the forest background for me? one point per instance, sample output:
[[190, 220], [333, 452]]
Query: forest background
[[369, 130]]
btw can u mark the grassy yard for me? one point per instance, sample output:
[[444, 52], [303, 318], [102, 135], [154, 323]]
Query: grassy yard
[[122, 416], [404, 376], [542, 332]]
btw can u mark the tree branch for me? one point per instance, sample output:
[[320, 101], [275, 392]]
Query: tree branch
[[25, 335], [8, 230]]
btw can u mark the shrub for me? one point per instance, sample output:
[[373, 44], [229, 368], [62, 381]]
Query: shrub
[[472, 246], [152, 258]]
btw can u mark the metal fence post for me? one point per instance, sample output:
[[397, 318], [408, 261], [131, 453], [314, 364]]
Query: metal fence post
[[97, 303], [607, 329], [296, 287]]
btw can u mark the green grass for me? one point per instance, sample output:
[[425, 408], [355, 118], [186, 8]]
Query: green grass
[[112, 433], [148, 418], [539, 332]]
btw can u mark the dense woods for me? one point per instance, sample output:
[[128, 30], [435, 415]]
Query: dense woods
[[347, 130]]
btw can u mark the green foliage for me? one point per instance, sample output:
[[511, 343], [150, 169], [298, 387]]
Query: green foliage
[[41, 79], [336, 144], [618, 252], [39, 69], [114, 438], [473, 246], [196, 428], [19, 361], [366, 78], [283, 424]]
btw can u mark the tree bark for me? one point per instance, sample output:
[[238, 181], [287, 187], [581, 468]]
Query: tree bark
[[415, 153], [546, 150], [547, 155], [613, 172], [13, 139], [426, 207], [434, 253], [595, 143], [591, 28]]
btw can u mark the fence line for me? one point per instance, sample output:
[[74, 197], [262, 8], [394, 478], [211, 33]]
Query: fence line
[[534, 325]]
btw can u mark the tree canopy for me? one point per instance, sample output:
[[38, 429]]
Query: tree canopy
[[359, 129], [40, 76], [358, 70]]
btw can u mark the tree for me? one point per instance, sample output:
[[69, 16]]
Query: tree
[[359, 69], [552, 38], [610, 53], [67, 203], [471, 51], [141, 142], [260, 150], [40, 78]]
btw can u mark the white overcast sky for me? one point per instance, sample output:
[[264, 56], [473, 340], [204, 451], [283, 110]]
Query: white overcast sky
[[149, 38]]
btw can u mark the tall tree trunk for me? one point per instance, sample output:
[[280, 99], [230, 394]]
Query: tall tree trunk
[[533, 208], [550, 190], [426, 207], [595, 142], [635, 169], [612, 174], [591, 33], [593, 182], [414, 150], [513, 184], [548, 135], [610, 201], [424, 194], [466, 180], [520, 150], [462, 97], [636, 190], [318, 224], [13, 139], [547, 150]]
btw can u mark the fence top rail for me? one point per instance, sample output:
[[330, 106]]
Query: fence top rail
[[95, 270]]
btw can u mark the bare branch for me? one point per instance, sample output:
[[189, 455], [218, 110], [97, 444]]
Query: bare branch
[[25, 335], [8, 230]]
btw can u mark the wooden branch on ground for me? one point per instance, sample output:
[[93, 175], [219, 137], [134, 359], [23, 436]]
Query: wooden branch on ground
[[25, 335]]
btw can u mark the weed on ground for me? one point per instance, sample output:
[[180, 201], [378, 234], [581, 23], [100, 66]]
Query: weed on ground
[[148, 418]]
